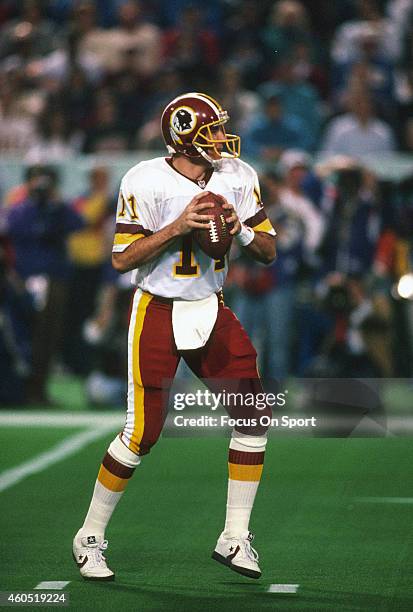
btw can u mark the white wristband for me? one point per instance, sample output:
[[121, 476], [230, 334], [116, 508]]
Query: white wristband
[[245, 236]]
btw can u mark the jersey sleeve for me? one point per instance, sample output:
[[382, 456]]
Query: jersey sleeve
[[251, 210], [134, 216]]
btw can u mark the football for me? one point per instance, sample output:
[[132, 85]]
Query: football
[[216, 240]]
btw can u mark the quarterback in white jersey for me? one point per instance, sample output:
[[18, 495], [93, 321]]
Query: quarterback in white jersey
[[153, 194], [178, 312]]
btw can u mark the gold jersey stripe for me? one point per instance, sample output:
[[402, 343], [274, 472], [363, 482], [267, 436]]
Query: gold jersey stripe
[[138, 389], [248, 473], [123, 239], [257, 196], [110, 481], [264, 226]]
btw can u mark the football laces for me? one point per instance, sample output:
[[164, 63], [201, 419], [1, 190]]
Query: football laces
[[213, 231]]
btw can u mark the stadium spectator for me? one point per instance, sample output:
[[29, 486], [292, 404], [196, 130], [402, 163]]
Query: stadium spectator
[[241, 41], [106, 335], [357, 343], [148, 135], [288, 26], [400, 12], [132, 92], [76, 98], [89, 251], [55, 68], [53, 143], [243, 26], [38, 229], [371, 69], [310, 69], [358, 132], [214, 12], [133, 33], [29, 36], [242, 104], [347, 39], [354, 223], [19, 193], [356, 242], [17, 129], [271, 132], [28, 101], [248, 59], [91, 39], [272, 291], [404, 89], [190, 46], [107, 134], [171, 84], [294, 167], [16, 315], [298, 99]]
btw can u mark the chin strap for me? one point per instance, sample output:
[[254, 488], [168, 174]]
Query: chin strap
[[215, 163]]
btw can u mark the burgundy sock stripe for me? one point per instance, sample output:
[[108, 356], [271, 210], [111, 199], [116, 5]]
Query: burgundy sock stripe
[[242, 458], [116, 468]]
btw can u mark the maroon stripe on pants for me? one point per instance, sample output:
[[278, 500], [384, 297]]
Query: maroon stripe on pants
[[158, 361], [242, 458]]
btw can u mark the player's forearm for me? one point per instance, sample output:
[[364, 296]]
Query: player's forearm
[[262, 248], [146, 249]]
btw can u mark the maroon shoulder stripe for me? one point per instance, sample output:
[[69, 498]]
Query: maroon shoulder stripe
[[132, 228], [116, 468], [258, 218], [243, 458]]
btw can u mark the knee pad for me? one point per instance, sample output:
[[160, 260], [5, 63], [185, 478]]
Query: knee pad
[[119, 451], [247, 444]]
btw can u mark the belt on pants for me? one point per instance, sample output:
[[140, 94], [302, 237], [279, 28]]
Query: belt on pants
[[166, 300]]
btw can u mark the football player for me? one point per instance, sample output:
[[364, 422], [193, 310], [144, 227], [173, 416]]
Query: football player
[[178, 311]]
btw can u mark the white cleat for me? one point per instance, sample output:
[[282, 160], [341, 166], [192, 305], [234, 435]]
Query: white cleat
[[238, 554], [88, 556]]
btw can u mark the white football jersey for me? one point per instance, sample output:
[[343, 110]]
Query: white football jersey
[[153, 194]]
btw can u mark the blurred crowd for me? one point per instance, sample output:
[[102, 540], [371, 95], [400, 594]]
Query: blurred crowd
[[300, 79], [81, 76]]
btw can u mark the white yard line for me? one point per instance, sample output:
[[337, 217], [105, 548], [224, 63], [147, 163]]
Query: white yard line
[[53, 585], [385, 500], [283, 588], [67, 447], [400, 423], [61, 419]]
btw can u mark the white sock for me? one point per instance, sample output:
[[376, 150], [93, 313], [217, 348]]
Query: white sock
[[117, 468], [240, 500], [102, 506], [246, 456]]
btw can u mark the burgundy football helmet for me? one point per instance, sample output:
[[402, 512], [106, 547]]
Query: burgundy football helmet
[[188, 124]]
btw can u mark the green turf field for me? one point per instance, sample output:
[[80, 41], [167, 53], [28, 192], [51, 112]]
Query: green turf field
[[328, 518]]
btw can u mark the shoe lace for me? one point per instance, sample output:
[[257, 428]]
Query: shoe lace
[[249, 550], [99, 556]]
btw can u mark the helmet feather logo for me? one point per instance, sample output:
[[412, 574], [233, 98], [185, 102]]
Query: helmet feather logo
[[183, 120]]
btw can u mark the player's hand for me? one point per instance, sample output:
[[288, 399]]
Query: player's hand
[[233, 218], [192, 217]]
